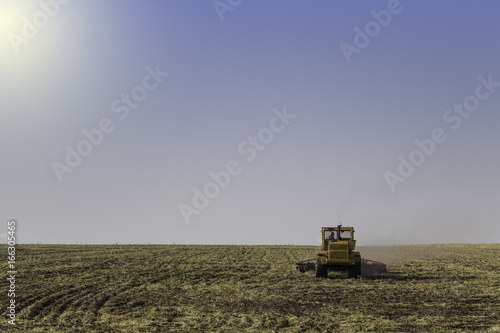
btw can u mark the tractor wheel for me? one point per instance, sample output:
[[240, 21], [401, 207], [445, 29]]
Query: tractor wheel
[[321, 271], [355, 271]]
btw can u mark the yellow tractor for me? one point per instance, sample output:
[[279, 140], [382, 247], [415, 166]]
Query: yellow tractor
[[337, 253]]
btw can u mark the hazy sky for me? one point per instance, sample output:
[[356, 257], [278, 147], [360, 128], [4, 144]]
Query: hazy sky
[[310, 109]]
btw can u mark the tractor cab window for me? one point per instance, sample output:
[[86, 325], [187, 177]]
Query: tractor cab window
[[345, 235], [331, 235]]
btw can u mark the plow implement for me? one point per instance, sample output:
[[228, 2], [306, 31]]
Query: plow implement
[[372, 267], [368, 267], [306, 265]]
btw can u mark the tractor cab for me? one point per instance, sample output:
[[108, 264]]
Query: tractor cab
[[337, 234]]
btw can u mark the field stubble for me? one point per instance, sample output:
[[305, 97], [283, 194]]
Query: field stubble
[[162, 288]]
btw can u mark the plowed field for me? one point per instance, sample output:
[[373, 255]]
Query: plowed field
[[164, 288]]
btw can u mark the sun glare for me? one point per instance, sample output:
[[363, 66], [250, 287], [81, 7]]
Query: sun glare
[[11, 13]]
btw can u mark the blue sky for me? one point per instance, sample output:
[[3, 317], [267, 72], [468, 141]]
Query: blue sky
[[353, 120]]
